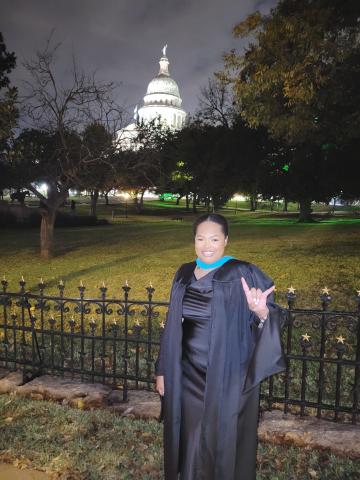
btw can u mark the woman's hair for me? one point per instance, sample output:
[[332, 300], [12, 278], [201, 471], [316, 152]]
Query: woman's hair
[[212, 217]]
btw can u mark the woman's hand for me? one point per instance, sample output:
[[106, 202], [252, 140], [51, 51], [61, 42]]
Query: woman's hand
[[160, 385], [256, 299]]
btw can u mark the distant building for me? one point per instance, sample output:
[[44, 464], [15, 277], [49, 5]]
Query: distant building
[[162, 103]]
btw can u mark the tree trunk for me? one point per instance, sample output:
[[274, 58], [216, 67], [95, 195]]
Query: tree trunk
[[106, 195], [94, 195], [48, 216], [285, 204], [187, 203], [305, 211], [194, 204], [208, 204], [142, 200], [253, 203], [178, 200], [137, 203]]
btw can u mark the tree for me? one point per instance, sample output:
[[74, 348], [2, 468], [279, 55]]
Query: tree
[[99, 147], [53, 150], [8, 109], [8, 95], [216, 106], [140, 168], [37, 158], [208, 163], [300, 79]]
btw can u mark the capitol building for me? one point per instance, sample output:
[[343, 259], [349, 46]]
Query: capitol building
[[162, 103]]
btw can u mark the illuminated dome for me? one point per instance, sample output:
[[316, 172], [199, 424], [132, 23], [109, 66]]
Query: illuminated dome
[[162, 103], [162, 84], [162, 100]]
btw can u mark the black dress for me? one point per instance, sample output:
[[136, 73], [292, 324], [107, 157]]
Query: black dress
[[239, 357], [195, 346]]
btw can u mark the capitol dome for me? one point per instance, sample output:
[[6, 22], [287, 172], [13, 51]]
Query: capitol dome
[[162, 100], [162, 103], [163, 84]]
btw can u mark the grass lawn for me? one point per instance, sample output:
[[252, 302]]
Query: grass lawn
[[150, 247], [97, 445]]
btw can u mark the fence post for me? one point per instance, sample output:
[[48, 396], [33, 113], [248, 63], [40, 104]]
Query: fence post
[[126, 290], [290, 297], [355, 406], [325, 300]]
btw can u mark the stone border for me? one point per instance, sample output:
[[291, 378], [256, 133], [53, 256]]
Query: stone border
[[274, 426]]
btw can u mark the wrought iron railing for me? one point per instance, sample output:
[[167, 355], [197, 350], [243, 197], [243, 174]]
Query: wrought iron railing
[[116, 341]]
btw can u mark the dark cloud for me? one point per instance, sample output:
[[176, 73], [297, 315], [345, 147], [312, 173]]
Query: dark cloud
[[122, 39]]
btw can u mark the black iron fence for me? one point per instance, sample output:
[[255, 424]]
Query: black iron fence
[[116, 341]]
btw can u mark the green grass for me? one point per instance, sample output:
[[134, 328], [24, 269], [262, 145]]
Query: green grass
[[150, 247], [98, 445]]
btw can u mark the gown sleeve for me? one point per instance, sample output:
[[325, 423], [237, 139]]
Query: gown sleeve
[[159, 363], [267, 357]]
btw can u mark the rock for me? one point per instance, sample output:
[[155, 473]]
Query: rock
[[141, 404], [340, 438], [11, 381], [3, 372], [66, 390], [115, 397]]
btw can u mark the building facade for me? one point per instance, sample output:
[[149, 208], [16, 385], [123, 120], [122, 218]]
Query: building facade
[[162, 103]]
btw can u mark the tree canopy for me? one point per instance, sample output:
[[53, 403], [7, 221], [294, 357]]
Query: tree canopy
[[299, 78], [300, 74], [8, 98]]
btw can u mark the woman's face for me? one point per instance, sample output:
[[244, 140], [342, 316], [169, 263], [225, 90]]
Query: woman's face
[[210, 242]]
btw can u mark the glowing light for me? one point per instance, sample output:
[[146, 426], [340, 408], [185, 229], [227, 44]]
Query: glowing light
[[43, 188]]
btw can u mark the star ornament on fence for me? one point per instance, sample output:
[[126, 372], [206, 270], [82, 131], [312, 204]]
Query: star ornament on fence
[[306, 337], [340, 339], [291, 289]]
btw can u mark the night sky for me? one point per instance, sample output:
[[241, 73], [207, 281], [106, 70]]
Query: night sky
[[122, 39]]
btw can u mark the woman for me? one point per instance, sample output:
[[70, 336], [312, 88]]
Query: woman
[[222, 337]]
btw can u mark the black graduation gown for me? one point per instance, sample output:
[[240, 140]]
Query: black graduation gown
[[240, 356]]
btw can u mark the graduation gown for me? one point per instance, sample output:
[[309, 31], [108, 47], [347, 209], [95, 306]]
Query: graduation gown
[[240, 356]]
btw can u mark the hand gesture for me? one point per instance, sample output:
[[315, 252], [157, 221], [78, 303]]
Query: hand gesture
[[257, 298]]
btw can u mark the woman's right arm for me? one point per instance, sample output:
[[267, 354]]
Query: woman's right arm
[[160, 388], [160, 361]]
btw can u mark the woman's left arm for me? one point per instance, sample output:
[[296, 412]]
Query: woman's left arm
[[267, 357]]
